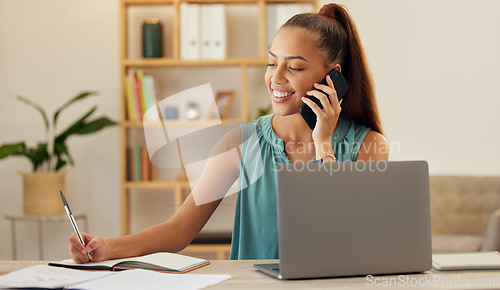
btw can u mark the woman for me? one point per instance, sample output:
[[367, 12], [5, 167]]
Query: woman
[[304, 50]]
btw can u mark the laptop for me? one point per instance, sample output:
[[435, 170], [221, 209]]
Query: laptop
[[352, 219]]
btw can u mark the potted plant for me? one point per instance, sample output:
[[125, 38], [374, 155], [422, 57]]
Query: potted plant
[[48, 158]]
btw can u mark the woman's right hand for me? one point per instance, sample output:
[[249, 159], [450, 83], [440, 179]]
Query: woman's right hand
[[97, 247]]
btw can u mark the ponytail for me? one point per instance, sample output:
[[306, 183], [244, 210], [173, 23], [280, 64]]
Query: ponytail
[[339, 39]]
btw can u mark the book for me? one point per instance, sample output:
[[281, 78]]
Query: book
[[145, 164], [137, 163], [142, 94], [466, 261], [131, 112], [149, 87], [135, 98], [161, 262]]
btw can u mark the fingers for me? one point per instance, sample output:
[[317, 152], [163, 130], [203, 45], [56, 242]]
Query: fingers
[[315, 108], [75, 243], [330, 90], [94, 244], [78, 251]]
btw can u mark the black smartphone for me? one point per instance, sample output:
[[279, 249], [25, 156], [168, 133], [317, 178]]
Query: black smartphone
[[341, 87]]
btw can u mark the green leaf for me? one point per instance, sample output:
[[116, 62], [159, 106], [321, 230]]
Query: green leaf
[[12, 149], [38, 155], [37, 107], [60, 164], [74, 127], [61, 150], [80, 96], [94, 126]]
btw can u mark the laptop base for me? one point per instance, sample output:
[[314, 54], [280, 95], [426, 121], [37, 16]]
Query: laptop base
[[272, 270]]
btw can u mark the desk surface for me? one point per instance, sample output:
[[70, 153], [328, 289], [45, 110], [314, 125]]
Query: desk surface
[[245, 277]]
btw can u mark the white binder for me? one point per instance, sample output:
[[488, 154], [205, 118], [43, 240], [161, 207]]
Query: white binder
[[278, 14], [213, 31], [219, 31], [190, 31]]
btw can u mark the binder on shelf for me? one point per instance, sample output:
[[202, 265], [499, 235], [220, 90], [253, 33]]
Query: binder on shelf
[[278, 14], [190, 31], [213, 31], [270, 24], [206, 31]]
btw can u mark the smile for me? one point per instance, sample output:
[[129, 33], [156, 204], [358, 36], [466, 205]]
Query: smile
[[282, 94]]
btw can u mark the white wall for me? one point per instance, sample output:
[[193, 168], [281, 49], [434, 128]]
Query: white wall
[[435, 65], [51, 50]]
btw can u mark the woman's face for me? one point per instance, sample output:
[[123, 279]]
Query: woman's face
[[295, 64]]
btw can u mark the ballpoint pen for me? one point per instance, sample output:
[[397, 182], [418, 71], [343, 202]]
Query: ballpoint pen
[[72, 220]]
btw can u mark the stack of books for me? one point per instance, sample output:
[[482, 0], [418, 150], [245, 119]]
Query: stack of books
[[141, 95], [138, 164]]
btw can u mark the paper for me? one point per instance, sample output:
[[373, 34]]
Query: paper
[[144, 279], [43, 276]]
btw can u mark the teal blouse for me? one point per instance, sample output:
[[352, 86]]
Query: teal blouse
[[255, 232]]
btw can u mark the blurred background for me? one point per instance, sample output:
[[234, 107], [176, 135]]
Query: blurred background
[[435, 64]]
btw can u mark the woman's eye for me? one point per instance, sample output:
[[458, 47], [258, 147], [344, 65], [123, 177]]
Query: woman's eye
[[271, 65], [295, 69]]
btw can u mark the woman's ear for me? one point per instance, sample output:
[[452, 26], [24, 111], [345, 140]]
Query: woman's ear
[[334, 65]]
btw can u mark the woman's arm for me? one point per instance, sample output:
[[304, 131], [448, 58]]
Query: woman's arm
[[374, 148], [220, 172]]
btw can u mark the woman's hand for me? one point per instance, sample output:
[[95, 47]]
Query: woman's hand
[[96, 247], [327, 118]]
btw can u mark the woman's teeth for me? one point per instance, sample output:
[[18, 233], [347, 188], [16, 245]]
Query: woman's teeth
[[280, 94]]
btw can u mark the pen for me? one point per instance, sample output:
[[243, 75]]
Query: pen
[[72, 220]]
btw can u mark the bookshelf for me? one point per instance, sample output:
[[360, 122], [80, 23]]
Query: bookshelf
[[172, 60]]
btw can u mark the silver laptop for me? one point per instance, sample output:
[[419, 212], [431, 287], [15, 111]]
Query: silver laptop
[[352, 219]]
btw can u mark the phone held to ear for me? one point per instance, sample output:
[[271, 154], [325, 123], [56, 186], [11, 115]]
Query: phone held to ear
[[341, 87]]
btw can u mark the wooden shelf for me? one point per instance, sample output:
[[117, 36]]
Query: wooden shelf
[[170, 62], [156, 184], [177, 123], [128, 130], [171, 2]]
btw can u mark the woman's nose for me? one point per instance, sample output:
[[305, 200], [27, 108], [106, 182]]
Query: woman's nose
[[278, 76]]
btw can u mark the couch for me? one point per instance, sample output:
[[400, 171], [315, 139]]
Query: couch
[[465, 213]]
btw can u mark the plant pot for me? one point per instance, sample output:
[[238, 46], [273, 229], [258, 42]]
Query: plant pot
[[41, 193]]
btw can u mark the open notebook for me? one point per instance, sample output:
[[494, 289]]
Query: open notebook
[[163, 262]]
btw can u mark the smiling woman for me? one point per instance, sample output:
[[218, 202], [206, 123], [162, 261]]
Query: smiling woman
[[304, 50]]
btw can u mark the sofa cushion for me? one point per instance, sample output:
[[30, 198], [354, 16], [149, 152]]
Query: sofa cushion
[[456, 243], [463, 205]]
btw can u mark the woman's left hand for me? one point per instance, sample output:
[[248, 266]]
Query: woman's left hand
[[327, 118]]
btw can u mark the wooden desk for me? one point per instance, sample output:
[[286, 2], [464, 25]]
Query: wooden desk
[[245, 277]]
